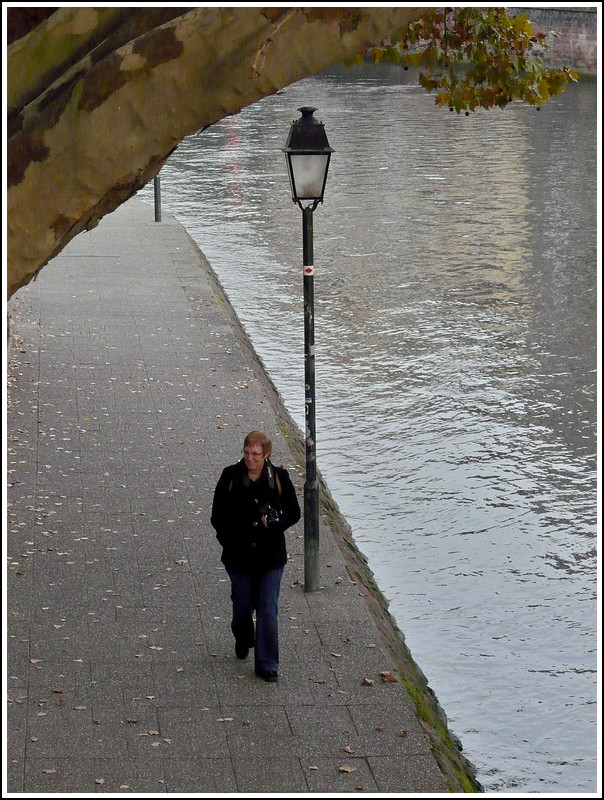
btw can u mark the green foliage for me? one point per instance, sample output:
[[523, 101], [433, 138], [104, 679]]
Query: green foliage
[[477, 58]]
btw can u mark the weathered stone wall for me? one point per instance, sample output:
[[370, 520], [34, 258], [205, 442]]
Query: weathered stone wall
[[577, 45]]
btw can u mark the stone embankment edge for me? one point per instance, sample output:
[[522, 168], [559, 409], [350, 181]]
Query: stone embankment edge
[[447, 749]]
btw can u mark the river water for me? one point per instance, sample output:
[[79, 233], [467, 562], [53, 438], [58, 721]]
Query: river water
[[456, 329]]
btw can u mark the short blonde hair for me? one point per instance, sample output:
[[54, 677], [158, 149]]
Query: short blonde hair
[[261, 438]]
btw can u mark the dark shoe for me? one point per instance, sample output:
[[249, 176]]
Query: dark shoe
[[269, 675], [241, 650]]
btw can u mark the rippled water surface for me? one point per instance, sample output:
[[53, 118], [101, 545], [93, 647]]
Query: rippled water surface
[[456, 304]]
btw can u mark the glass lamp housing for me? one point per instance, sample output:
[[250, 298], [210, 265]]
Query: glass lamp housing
[[307, 153]]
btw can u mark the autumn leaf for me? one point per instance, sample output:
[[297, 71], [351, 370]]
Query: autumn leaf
[[347, 768], [388, 677], [367, 682], [502, 58]]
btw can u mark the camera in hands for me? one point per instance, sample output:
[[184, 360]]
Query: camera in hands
[[273, 517]]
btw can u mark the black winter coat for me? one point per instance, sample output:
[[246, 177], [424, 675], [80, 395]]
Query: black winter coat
[[237, 509]]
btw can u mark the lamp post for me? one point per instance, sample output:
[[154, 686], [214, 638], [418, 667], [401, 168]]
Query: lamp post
[[157, 197], [307, 153]]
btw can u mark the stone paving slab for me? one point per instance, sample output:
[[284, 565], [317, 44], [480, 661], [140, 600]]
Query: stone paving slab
[[129, 391]]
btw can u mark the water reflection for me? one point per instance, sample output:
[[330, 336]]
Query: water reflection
[[456, 328]]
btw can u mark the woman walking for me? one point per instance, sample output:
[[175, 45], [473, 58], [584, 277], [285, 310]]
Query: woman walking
[[254, 504]]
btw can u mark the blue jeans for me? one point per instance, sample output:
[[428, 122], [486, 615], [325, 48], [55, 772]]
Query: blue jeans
[[259, 592]]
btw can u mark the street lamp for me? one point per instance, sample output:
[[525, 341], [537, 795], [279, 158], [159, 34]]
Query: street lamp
[[307, 153]]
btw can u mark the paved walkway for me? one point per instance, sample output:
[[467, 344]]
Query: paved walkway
[[128, 393]]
